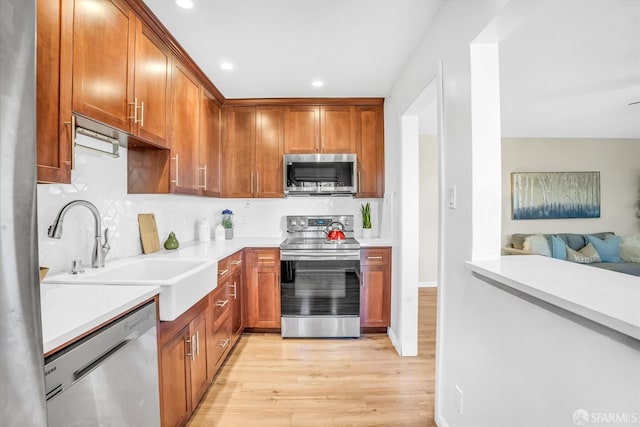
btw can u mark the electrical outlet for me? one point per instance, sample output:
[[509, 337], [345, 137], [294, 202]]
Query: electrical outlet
[[451, 197], [459, 399]]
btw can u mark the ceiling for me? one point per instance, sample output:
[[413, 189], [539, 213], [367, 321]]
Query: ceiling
[[356, 47], [571, 69]]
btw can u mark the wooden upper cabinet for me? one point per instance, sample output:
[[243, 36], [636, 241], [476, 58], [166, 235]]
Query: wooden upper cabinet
[[302, 129], [370, 150], [151, 102], [185, 132], [53, 90], [210, 145], [269, 151], [239, 152], [103, 37], [338, 129]]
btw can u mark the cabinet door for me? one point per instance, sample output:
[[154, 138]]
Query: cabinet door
[[269, 151], [103, 36], [338, 129], [375, 287], [174, 377], [53, 90], [302, 129], [239, 152], [151, 87], [210, 145], [185, 131], [263, 289], [199, 374], [370, 151]]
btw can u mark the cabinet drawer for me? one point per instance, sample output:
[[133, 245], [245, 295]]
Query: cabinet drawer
[[221, 337], [235, 261], [223, 268], [375, 256], [266, 257], [220, 300]]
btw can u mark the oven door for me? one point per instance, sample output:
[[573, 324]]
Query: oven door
[[320, 295]]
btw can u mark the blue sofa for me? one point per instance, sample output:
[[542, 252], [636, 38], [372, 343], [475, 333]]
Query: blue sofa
[[576, 242]]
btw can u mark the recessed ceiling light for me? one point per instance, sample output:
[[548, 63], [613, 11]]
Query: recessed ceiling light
[[226, 66], [317, 83], [185, 4]]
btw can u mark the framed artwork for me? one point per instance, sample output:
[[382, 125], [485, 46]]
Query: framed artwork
[[552, 195]]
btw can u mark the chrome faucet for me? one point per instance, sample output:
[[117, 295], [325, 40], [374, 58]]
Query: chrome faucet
[[100, 250]]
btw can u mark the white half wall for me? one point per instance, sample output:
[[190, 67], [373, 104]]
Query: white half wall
[[617, 160]]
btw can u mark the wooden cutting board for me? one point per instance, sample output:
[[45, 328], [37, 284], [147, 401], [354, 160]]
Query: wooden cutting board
[[148, 233]]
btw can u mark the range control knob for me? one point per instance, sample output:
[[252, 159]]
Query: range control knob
[[302, 223]]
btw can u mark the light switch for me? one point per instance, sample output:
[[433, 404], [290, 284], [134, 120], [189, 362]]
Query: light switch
[[451, 193]]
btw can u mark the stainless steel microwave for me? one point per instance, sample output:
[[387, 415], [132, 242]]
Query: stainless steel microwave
[[320, 175]]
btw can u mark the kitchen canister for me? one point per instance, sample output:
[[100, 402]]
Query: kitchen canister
[[204, 230], [219, 233]]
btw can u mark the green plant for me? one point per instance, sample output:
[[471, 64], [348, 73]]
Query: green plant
[[365, 209], [227, 218]]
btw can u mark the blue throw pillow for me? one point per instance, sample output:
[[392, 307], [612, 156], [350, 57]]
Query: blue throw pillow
[[558, 248], [608, 249]]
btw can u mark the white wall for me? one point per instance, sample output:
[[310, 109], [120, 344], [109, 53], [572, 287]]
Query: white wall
[[617, 160], [428, 217], [103, 181], [517, 364]]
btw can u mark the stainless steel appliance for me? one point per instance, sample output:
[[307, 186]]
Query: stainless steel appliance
[[320, 278], [320, 175], [22, 401], [109, 378]]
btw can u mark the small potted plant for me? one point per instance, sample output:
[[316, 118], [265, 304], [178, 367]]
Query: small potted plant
[[365, 209], [227, 223]]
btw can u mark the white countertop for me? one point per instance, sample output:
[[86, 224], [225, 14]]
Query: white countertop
[[69, 311], [378, 241], [71, 307], [609, 298]]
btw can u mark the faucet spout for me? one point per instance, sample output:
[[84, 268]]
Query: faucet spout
[[99, 250]]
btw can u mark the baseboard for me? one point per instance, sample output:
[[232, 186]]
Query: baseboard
[[394, 339], [427, 284], [440, 422]]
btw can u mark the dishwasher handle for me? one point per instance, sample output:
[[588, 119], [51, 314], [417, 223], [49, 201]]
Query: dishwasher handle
[[99, 361]]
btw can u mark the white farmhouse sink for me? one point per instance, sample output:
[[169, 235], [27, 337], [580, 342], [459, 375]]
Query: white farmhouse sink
[[182, 282]]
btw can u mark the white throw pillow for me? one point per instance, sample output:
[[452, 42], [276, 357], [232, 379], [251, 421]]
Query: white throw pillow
[[538, 244], [630, 248]]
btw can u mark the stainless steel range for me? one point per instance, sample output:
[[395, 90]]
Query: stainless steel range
[[320, 278]]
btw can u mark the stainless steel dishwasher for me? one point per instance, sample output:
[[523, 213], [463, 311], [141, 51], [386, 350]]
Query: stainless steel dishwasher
[[109, 378]]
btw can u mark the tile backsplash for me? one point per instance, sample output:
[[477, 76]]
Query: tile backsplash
[[102, 181]]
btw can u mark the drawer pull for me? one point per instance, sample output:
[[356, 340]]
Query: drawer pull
[[223, 343], [235, 294], [222, 303], [236, 262], [223, 272], [265, 258], [374, 257], [197, 343], [190, 353]]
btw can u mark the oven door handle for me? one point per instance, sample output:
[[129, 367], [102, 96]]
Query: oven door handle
[[319, 255]]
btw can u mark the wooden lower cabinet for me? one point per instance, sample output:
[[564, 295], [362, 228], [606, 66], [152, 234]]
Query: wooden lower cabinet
[[375, 287], [236, 293], [262, 288], [184, 376]]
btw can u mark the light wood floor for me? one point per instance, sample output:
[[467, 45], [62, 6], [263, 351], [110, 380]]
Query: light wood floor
[[268, 381]]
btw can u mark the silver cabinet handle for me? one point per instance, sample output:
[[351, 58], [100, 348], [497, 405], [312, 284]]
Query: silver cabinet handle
[[374, 257], [358, 186], [177, 159], [190, 352], [197, 343], [236, 262], [265, 258], [252, 182], [234, 290], [72, 123], [204, 168], [135, 110], [142, 114], [223, 343], [257, 181], [223, 272], [222, 303]]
